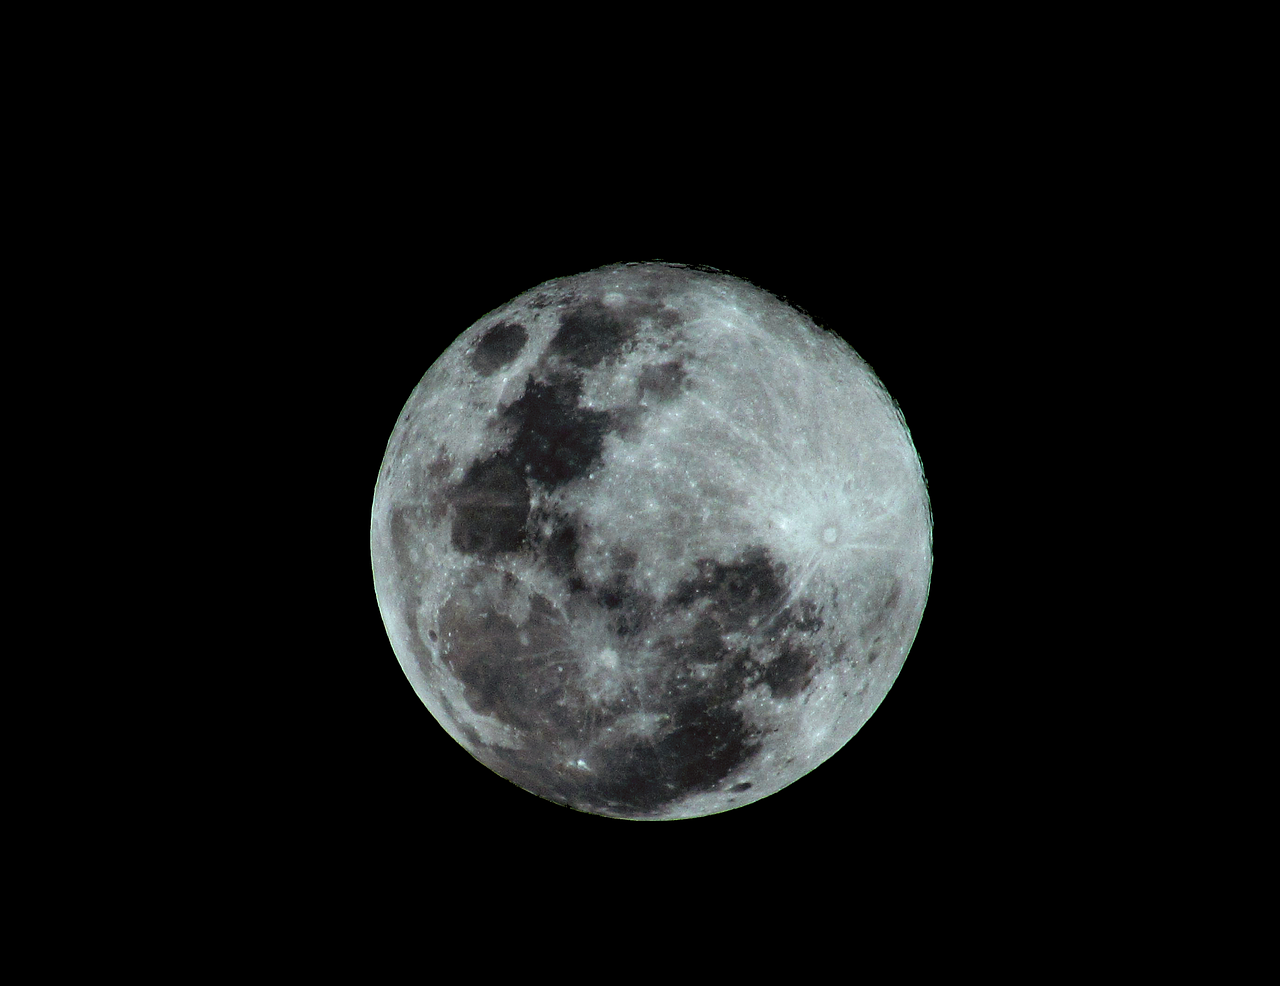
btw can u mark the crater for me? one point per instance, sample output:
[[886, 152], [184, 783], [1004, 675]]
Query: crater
[[499, 347]]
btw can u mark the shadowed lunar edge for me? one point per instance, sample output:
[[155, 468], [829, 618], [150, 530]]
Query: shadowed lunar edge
[[656, 736]]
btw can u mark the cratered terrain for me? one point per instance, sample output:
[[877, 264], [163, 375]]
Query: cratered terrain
[[649, 543]]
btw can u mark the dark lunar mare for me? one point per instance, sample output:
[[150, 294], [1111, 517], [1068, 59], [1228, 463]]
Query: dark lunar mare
[[734, 592], [498, 347], [527, 676], [554, 442], [591, 332], [491, 506], [789, 672]]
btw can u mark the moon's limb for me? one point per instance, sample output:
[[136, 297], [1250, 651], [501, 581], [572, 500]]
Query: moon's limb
[[649, 543]]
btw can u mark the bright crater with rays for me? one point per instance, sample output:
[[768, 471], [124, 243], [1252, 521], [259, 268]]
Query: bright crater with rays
[[649, 543]]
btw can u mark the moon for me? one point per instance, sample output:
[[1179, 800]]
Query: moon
[[649, 543]]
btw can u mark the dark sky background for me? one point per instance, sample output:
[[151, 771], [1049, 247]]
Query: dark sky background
[[923, 304], [355, 231]]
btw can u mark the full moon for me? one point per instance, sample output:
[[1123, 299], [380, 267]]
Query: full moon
[[650, 543]]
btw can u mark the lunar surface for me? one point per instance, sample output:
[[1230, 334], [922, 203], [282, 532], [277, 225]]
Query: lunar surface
[[649, 543]]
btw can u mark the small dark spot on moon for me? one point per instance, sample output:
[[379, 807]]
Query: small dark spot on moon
[[633, 616], [704, 644], [871, 658], [662, 381], [613, 593], [789, 672], [744, 786], [432, 635], [555, 540], [668, 318], [883, 610], [500, 345], [623, 421], [405, 524], [440, 466]]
